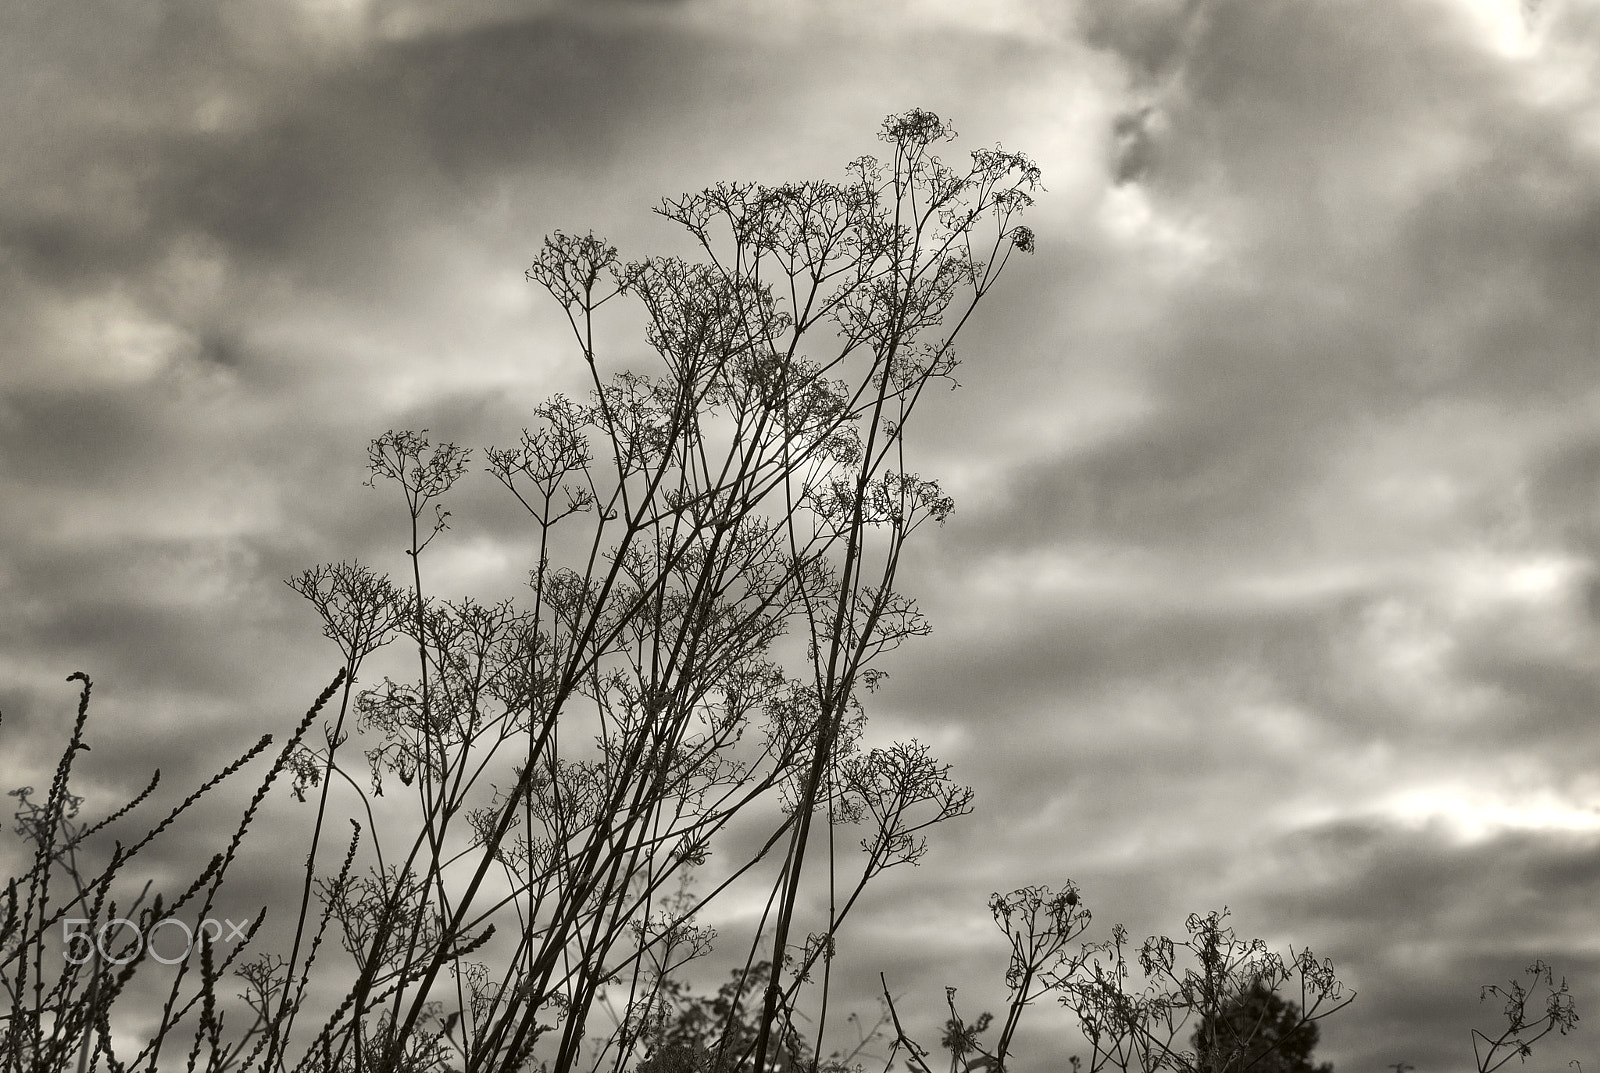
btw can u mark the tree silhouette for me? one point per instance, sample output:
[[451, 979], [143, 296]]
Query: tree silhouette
[[1258, 1031], [715, 1034]]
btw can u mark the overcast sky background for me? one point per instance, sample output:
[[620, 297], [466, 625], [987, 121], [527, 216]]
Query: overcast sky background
[[1273, 577]]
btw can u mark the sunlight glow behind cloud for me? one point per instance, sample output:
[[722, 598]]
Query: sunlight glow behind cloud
[[1475, 813]]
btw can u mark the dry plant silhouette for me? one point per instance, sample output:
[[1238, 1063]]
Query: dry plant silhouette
[[715, 547], [1205, 979]]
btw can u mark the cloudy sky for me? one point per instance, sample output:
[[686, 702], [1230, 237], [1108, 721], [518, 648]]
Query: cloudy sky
[[1274, 580]]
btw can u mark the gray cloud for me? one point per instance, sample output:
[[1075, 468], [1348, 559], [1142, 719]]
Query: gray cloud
[[1271, 583]]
